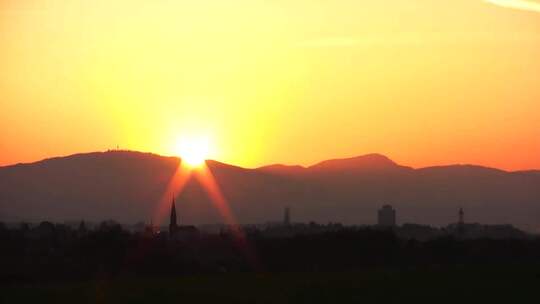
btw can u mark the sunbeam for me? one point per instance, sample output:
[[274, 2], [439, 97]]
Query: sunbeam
[[173, 189], [206, 178]]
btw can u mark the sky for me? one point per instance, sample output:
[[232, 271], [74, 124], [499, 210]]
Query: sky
[[425, 82]]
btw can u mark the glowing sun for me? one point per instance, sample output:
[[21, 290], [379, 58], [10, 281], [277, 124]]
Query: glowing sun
[[193, 150]]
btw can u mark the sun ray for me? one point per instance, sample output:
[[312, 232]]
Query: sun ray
[[175, 186], [184, 172], [208, 181], [193, 152]]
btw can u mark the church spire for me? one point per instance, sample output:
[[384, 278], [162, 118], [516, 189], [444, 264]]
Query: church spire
[[173, 226]]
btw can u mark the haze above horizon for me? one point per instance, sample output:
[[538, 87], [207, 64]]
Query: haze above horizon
[[337, 162], [293, 82]]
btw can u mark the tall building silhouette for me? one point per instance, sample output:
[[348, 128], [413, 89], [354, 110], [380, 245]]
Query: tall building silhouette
[[173, 226], [387, 216], [461, 222], [287, 216], [82, 228]]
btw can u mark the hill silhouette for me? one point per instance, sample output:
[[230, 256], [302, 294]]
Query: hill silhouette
[[369, 162], [126, 186]]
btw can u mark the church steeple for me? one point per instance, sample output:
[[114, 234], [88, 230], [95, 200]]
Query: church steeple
[[173, 226]]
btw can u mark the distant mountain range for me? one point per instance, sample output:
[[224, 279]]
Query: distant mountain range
[[127, 186]]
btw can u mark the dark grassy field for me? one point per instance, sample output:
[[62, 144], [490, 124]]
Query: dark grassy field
[[517, 284]]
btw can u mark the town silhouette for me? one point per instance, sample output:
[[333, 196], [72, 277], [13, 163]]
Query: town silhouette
[[313, 261], [269, 151]]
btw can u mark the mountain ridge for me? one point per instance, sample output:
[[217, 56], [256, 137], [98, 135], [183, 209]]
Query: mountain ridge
[[128, 185], [273, 165]]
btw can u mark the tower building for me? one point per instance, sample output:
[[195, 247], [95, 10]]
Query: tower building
[[287, 216], [461, 222], [387, 216]]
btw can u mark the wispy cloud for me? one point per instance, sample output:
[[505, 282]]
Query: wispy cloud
[[406, 38], [330, 42], [415, 39], [527, 5]]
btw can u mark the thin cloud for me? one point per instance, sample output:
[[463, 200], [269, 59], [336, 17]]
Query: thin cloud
[[407, 38], [527, 5], [330, 42], [364, 40]]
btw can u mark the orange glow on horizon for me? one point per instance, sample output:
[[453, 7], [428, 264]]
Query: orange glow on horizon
[[294, 82]]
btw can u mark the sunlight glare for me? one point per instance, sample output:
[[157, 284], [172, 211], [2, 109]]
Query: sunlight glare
[[193, 150]]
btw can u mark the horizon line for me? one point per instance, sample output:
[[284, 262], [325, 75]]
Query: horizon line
[[267, 165]]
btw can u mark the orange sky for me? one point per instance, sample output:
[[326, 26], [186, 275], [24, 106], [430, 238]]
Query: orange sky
[[288, 81]]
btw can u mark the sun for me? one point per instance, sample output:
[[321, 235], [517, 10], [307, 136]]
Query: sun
[[193, 150]]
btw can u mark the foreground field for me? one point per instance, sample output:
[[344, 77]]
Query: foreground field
[[458, 284]]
